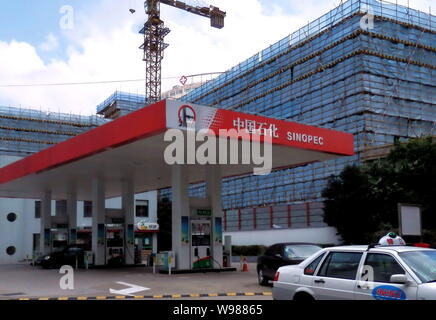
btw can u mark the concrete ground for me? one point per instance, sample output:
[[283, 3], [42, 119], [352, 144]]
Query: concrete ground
[[23, 280]]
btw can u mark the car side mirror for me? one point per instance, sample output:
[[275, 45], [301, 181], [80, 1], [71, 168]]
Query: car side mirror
[[399, 279]]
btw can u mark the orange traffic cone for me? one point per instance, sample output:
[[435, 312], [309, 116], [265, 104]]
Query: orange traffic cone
[[244, 265]]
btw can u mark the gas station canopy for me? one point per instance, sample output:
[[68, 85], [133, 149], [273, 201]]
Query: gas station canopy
[[133, 146]]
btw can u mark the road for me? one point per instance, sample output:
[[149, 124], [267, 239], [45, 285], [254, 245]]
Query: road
[[23, 280]]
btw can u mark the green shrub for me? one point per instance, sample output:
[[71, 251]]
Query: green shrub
[[253, 250]]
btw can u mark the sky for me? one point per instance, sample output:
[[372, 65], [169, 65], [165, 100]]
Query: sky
[[76, 41]]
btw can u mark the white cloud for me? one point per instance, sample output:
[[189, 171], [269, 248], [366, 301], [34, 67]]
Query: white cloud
[[51, 43], [18, 59], [104, 46]]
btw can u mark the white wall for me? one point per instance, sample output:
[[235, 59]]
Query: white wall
[[325, 235], [152, 205], [11, 233], [115, 203], [20, 232]]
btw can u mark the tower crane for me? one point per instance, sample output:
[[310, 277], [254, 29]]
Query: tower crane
[[154, 32]]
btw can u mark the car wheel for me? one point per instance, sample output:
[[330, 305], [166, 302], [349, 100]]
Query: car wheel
[[261, 277], [302, 296]]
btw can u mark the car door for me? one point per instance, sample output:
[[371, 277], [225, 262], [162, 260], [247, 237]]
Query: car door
[[265, 260], [278, 259], [336, 278], [375, 279], [272, 260]]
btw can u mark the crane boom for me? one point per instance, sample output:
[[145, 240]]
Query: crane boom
[[215, 14], [154, 31]]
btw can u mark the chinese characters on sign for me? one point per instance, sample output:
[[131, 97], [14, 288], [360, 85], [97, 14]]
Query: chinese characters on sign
[[262, 128], [254, 127]]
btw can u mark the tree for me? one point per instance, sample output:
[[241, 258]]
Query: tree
[[363, 199], [413, 164], [346, 206]]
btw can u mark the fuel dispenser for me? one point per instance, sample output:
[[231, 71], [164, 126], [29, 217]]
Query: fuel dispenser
[[201, 245], [227, 253], [200, 234], [59, 239], [201, 255], [114, 244]]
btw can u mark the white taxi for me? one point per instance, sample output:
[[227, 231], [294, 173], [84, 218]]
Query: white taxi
[[381, 272]]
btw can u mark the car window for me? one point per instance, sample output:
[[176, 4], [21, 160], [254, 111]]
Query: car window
[[300, 251], [342, 265], [310, 269], [277, 250], [273, 250], [423, 263], [383, 266]]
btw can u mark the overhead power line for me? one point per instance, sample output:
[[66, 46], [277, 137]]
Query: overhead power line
[[94, 82], [66, 83]]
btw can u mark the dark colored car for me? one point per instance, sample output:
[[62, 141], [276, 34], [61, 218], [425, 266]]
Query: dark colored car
[[67, 256], [282, 254]]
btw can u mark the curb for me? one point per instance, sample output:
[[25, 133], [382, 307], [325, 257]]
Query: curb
[[163, 296]]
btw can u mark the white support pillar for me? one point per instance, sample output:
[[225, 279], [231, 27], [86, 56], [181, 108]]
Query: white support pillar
[[45, 230], [72, 217], [98, 222], [128, 207], [213, 192], [180, 208]]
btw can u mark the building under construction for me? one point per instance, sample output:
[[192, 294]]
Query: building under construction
[[26, 131], [367, 68]]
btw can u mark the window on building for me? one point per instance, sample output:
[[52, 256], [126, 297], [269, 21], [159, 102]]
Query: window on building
[[87, 209], [341, 265], [36, 240], [61, 207], [142, 208], [37, 209], [11, 250], [11, 217]]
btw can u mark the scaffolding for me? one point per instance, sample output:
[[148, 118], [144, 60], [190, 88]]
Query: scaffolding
[[119, 104], [377, 83], [26, 131]]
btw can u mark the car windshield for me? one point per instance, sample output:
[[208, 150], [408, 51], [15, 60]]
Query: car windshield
[[300, 251], [423, 263]]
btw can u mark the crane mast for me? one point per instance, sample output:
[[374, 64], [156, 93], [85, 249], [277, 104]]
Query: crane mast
[[154, 31]]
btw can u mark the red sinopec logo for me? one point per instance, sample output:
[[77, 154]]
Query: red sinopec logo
[[186, 115]]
